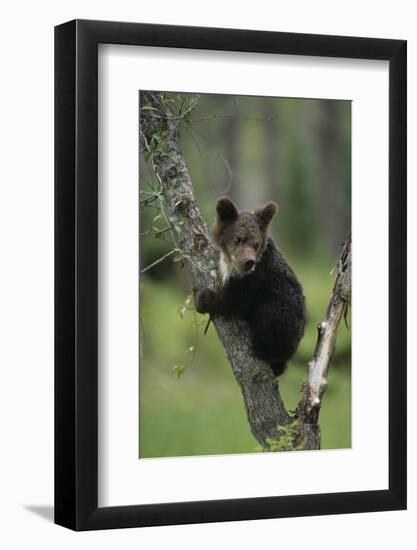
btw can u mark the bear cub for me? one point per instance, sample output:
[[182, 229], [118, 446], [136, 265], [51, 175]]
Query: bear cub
[[258, 286]]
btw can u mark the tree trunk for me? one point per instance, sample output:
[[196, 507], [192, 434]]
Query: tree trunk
[[260, 390], [314, 388], [331, 172]]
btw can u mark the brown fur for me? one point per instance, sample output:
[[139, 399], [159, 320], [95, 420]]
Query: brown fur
[[240, 236], [258, 285]]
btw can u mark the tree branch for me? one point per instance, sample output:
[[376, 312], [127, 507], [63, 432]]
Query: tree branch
[[158, 261], [316, 385]]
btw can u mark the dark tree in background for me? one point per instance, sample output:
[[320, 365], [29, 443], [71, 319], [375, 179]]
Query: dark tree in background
[[296, 152], [334, 174]]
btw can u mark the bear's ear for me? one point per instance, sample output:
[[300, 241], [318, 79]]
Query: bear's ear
[[226, 210], [265, 214]]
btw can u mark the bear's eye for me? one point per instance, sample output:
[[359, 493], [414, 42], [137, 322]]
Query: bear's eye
[[256, 245], [237, 240]]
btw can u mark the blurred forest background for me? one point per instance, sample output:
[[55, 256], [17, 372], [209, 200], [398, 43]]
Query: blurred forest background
[[296, 152]]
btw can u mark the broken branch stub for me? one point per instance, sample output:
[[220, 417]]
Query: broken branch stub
[[318, 367]]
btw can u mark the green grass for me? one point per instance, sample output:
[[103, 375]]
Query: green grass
[[201, 412]]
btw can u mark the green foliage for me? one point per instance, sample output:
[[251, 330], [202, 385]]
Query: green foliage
[[287, 440], [202, 411], [179, 370]]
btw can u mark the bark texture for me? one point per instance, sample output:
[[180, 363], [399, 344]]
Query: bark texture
[[314, 388], [264, 406]]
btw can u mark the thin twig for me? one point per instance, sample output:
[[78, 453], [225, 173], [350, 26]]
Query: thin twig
[[180, 116], [185, 113], [159, 260], [229, 173], [234, 115], [148, 201], [155, 234]]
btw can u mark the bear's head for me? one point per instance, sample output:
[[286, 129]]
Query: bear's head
[[240, 236]]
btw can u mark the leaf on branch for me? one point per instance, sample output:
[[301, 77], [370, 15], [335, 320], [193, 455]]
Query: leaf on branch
[[181, 312], [288, 439], [178, 370]]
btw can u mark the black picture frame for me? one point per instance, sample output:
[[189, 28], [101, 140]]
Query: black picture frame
[[76, 272]]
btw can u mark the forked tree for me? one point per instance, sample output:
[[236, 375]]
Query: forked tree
[[269, 420]]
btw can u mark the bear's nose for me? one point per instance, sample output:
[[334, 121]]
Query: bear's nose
[[248, 263]]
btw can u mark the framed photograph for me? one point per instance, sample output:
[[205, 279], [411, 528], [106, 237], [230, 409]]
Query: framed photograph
[[230, 284]]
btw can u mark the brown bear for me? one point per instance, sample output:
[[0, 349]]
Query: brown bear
[[257, 284]]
